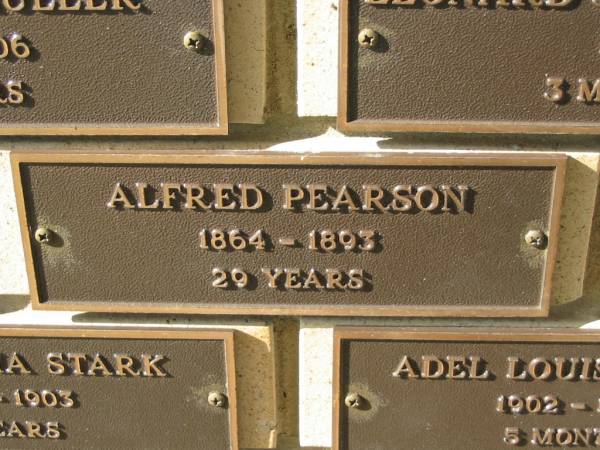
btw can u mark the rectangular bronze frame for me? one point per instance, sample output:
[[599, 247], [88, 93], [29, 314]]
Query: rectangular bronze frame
[[391, 126], [227, 336], [440, 334], [558, 161], [151, 130]]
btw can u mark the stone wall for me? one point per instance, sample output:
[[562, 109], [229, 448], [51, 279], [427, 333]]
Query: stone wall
[[282, 85]]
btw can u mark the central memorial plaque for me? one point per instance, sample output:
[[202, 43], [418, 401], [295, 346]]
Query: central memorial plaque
[[470, 66], [117, 388], [456, 389], [338, 234], [112, 67]]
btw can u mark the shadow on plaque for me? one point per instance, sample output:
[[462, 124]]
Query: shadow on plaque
[[12, 303]]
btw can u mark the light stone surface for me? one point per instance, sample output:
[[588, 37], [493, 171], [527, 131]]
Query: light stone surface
[[317, 57], [255, 360], [575, 227], [13, 277], [316, 377], [592, 276], [245, 47]]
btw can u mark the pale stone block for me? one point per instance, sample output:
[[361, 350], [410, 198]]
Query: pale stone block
[[575, 226], [245, 46], [13, 276], [317, 57], [592, 276], [286, 351], [254, 359], [315, 390]]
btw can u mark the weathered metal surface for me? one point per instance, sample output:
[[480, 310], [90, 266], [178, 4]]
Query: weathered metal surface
[[453, 389], [116, 388], [473, 66], [340, 234], [120, 69]]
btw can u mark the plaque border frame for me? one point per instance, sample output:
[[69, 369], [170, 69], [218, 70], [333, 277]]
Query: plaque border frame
[[402, 126], [158, 333], [221, 127], [542, 309], [446, 334]]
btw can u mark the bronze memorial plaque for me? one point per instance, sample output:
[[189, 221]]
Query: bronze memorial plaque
[[117, 389], [514, 66], [112, 67], [254, 233], [453, 389]]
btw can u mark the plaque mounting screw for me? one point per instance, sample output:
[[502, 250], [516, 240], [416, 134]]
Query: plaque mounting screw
[[536, 238], [43, 235], [353, 400], [194, 41], [217, 399], [368, 38]]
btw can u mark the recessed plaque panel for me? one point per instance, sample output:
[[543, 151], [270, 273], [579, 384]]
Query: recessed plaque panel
[[100, 389], [112, 67], [336, 234], [451, 389], [470, 66]]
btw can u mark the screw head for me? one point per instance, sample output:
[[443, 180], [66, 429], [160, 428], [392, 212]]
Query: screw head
[[368, 38], [217, 399], [43, 235], [536, 238], [353, 400], [193, 41]]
